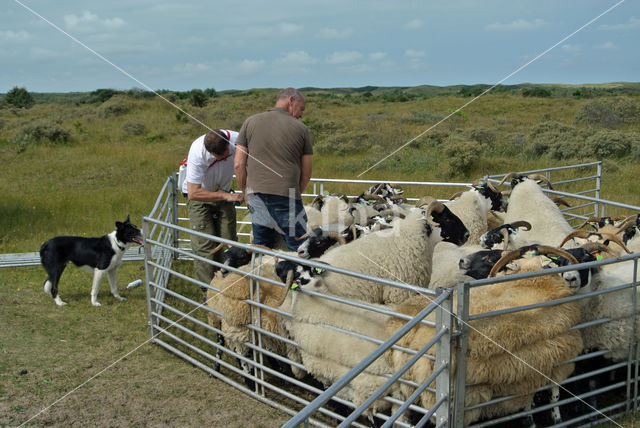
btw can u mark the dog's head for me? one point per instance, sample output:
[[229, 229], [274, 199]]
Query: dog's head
[[128, 232]]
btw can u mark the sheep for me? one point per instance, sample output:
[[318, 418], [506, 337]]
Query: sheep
[[492, 370], [330, 209], [472, 208], [583, 237], [529, 203], [631, 236], [503, 234], [318, 240], [236, 313], [603, 224], [402, 253]]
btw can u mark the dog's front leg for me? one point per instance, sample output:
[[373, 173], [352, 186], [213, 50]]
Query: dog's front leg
[[112, 283], [97, 279]]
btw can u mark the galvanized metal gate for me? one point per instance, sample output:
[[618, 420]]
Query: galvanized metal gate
[[178, 321]]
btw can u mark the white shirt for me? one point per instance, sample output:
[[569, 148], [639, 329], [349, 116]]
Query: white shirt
[[204, 169]]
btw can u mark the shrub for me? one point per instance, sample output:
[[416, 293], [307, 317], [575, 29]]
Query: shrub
[[612, 144], [19, 97], [609, 113], [134, 128], [115, 106], [102, 95], [198, 98], [536, 92], [555, 139], [483, 136], [422, 118], [462, 153], [39, 133]]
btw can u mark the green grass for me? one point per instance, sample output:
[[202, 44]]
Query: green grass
[[118, 156]]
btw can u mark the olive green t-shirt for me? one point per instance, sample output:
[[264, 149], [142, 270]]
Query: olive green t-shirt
[[275, 141]]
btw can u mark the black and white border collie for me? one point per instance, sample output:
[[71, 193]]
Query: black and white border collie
[[101, 255]]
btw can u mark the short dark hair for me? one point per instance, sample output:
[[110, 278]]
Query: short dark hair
[[216, 142]]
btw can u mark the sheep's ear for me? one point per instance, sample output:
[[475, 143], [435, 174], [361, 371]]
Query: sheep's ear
[[515, 267]]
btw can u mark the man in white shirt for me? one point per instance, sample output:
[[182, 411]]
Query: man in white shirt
[[211, 205]]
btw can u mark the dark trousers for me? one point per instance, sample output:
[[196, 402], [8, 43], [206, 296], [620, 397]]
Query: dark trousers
[[213, 218], [274, 214]]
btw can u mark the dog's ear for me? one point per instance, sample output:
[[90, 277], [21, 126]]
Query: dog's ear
[[127, 220]]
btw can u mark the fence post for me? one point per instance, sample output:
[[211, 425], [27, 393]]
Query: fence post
[[462, 340], [174, 212], [148, 269], [598, 187], [443, 358]]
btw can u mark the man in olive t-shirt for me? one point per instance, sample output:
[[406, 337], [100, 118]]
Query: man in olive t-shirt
[[273, 166]]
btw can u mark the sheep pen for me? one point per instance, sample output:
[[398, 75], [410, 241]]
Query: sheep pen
[[316, 349]]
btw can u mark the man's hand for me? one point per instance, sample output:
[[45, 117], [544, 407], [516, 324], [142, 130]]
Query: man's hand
[[234, 197]]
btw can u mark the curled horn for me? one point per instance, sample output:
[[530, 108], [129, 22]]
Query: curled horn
[[341, 196], [455, 195], [540, 249], [434, 206], [424, 201], [521, 223], [584, 234], [540, 177], [219, 247], [337, 236], [318, 198], [509, 177], [589, 220], [300, 238], [628, 222], [598, 246], [613, 238], [505, 238], [378, 198], [558, 200], [377, 189]]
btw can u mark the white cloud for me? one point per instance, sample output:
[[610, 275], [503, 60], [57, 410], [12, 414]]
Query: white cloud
[[342, 57], [248, 66], [517, 25], [632, 24], [191, 68], [412, 53], [571, 48], [334, 33], [414, 24], [90, 22], [14, 36], [287, 28], [607, 46], [296, 59], [377, 56]]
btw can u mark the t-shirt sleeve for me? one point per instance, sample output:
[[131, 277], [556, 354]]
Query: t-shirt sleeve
[[241, 139], [195, 167], [308, 146]]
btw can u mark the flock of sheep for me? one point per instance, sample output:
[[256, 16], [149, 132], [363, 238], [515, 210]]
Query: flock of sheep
[[426, 245]]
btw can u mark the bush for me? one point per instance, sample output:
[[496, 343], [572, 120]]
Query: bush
[[102, 95], [536, 92], [462, 153], [483, 136], [115, 106], [556, 140], [198, 98], [612, 144], [19, 97], [609, 113], [134, 128], [39, 133]]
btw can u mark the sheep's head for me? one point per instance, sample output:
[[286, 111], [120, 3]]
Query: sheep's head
[[501, 234], [528, 258], [583, 237], [599, 222], [451, 227], [630, 226], [515, 178], [486, 189], [317, 241], [233, 257]]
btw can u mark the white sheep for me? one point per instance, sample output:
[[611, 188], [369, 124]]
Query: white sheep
[[528, 202], [472, 208], [402, 253]]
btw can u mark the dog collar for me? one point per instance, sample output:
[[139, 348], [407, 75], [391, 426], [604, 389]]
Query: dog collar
[[121, 247]]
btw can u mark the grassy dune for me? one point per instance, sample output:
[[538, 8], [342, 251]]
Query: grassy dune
[[75, 167]]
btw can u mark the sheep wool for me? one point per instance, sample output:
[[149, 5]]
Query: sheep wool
[[529, 203], [472, 208]]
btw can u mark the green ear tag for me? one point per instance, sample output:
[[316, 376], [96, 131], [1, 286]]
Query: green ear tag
[[318, 270], [295, 285], [598, 256]]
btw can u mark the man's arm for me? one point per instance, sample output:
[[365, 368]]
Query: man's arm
[[305, 171], [240, 167], [195, 192]]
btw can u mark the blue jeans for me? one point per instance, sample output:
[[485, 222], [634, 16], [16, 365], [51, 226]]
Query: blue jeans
[[275, 214]]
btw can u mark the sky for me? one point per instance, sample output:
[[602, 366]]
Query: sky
[[64, 46]]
